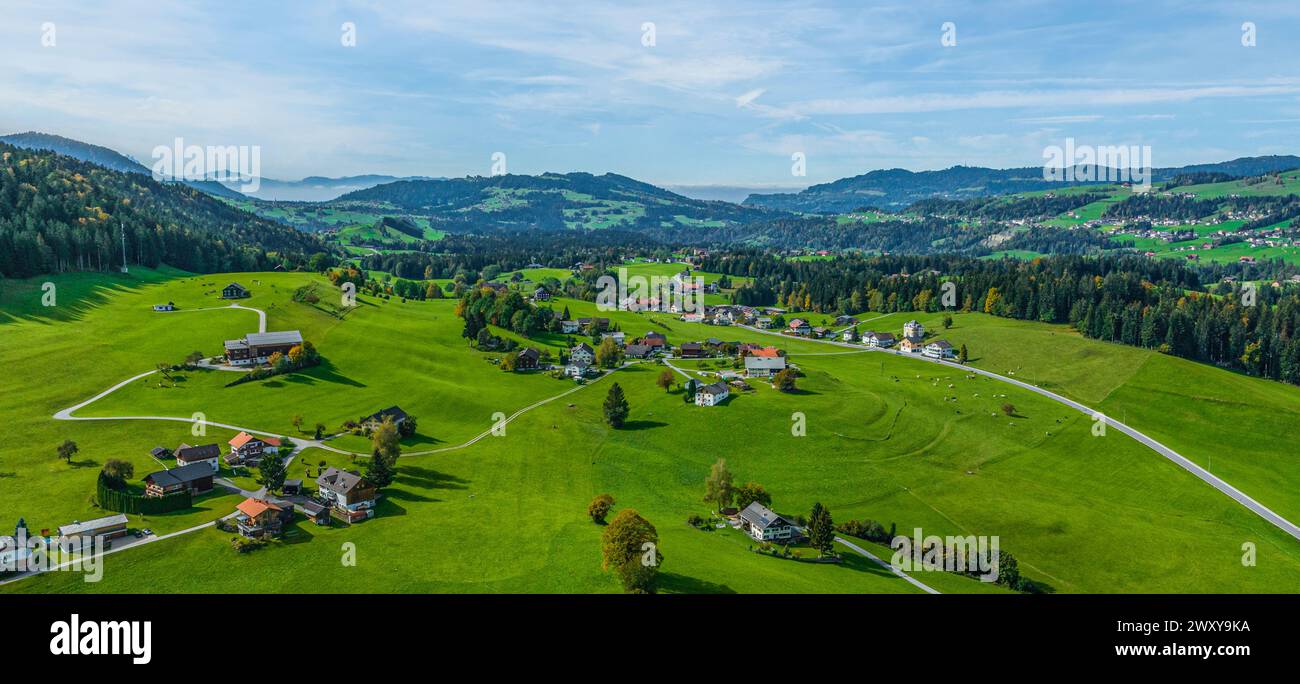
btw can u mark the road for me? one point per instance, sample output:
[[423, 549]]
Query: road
[[1182, 461], [915, 582]]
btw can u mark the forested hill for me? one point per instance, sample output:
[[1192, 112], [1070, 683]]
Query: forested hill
[[898, 188], [551, 201], [60, 214]]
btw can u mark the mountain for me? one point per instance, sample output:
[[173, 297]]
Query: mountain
[[727, 193], [320, 188], [102, 156], [550, 201], [898, 188], [58, 213]]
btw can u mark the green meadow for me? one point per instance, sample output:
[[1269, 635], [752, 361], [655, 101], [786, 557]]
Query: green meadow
[[894, 439]]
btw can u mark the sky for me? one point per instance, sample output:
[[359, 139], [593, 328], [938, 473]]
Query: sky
[[674, 93]]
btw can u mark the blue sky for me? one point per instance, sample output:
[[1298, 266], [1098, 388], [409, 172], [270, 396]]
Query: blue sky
[[727, 93]]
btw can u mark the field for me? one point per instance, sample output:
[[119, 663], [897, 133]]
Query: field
[[889, 438]]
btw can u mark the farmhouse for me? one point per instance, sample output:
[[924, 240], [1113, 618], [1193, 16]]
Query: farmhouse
[[764, 363], [911, 345], [849, 335], [882, 340], [527, 359], [111, 527], [654, 340], [938, 349], [234, 291], [691, 350], [195, 478], [636, 351], [207, 453], [256, 348], [913, 329], [617, 336], [764, 525], [351, 496], [582, 355], [569, 327], [541, 295], [261, 519], [376, 419], [712, 395], [799, 326], [593, 324], [247, 449], [164, 307]]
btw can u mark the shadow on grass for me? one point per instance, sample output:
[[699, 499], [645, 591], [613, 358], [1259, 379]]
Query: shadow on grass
[[429, 478], [642, 425], [74, 299], [672, 583], [86, 463], [299, 533]]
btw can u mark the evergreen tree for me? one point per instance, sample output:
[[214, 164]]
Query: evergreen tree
[[616, 407]]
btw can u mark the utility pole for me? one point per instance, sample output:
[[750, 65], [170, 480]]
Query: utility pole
[[124, 269]]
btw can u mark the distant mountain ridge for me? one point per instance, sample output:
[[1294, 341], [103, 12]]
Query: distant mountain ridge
[[321, 188], [898, 188], [102, 156]]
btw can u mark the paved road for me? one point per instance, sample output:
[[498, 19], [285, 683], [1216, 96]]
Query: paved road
[[261, 315], [1210, 478], [915, 582]]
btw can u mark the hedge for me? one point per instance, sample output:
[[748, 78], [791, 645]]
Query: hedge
[[124, 501]]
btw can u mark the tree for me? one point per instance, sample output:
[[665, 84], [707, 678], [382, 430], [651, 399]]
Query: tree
[[688, 395], [630, 547], [821, 530], [750, 492], [608, 353], [193, 358], [947, 321], [296, 422], [68, 449], [320, 430], [600, 507], [718, 488], [271, 470], [665, 379], [116, 472], [784, 380], [382, 469], [408, 426], [616, 407], [962, 356], [509, 361]]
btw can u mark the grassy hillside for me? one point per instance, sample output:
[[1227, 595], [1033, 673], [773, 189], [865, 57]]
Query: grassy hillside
[[893, 439]]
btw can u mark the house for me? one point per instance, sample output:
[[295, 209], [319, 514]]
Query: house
[[845, 319], [160, 453], [820, 332], [195, 478], [569, 327], [315, 511], [617, 336], [107, 528], [911, 345], [913, 329], [582, 355], [763, 525], [261, 519], [938, 349], [169, 306], [799, 326], [351, 496], [291, 487], [637, 351], [849, 335], [377, 418], [763, 322], [763, 366], [246, 449], [882, 340], [541, 295], [208, 453], [234, 291], [694, 317], [527, 359], [593, 324], [691, 350], [712, 395], [255, 348]]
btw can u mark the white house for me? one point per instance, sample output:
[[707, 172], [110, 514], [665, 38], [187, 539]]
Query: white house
[[617, 336], [568, 327], [879, 340], [938, 349], [763, 366], [712, 395], [764, 525], [582, 355], [913, 329], [849, 335]]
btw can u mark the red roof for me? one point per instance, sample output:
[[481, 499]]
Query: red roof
[[255, 507], [766, 352]]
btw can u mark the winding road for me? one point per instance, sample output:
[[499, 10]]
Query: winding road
[[1182, 461]]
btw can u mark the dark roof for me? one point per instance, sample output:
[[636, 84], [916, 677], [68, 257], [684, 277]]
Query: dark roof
[[715, 388], [197, 453], [395, 412], [339, 480], [637, 349], [530, 353], [293, 483], [236, 286], [158, 452], [181, 475], [693, 346], [942, 344], [585, 347], [762, 517]]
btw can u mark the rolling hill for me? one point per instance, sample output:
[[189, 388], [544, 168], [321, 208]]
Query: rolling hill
[[897, 188]]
